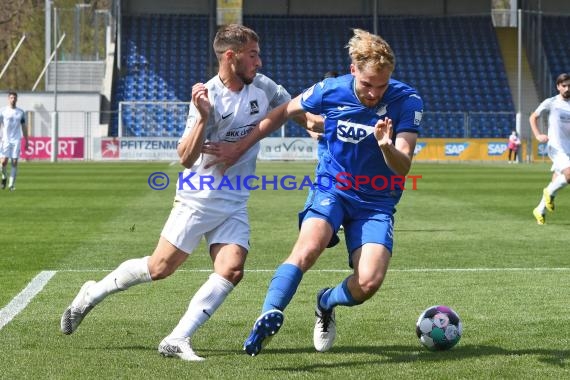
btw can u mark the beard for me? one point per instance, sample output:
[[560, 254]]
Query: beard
[[244, 78], [369, 102]]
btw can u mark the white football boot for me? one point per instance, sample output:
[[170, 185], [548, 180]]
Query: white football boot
[[324, 333], [75, 312], [178, 348]]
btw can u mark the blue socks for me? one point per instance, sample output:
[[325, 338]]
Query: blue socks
[[339, 295], [282, 287]]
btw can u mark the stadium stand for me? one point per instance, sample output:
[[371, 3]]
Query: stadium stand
[[454, 62], [555, 34]]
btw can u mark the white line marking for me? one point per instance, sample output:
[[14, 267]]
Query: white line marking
[[22, 300]]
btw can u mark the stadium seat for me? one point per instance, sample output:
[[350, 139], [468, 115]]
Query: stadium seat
[[451, 70]]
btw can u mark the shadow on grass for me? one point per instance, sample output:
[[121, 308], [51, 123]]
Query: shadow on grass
[[407, 354]]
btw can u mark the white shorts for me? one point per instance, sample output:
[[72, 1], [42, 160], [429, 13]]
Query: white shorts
[[560, 159], [228, 223], [10, 149]]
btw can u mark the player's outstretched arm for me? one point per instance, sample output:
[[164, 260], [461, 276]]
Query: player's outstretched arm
[[227, 154]]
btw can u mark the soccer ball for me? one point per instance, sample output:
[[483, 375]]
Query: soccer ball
[[439, 328]]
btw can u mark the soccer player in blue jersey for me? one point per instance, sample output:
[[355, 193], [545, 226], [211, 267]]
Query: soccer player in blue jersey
[[371, 125]]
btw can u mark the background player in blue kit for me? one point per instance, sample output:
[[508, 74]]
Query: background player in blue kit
[[371, 124]]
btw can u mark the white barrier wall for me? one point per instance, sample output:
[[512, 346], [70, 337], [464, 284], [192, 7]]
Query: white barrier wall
[[164, 149]]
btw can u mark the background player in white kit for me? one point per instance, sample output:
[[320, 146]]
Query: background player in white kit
[[224, 109], [558, 139], [13, 121]]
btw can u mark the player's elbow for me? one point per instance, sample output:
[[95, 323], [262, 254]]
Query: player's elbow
[[186, 162]]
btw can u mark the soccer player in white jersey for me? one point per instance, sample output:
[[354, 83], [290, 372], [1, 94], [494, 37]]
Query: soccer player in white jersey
[[13, 121], [371, 123], [558, 139], [223, 109]]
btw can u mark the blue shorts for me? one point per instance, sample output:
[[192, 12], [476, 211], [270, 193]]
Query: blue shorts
[[363, 222]]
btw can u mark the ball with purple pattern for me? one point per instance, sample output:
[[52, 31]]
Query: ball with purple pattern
[[439, 328]]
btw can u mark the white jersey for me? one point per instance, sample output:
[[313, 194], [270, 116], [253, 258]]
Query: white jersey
[[233, 115], [12, 120], [558, 122]]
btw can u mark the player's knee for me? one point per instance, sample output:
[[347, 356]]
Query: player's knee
[[233, 275], [303, 260], [160, 269], [305, 254], [369, 287]]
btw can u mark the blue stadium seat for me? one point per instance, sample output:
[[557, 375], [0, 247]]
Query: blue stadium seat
[[452, 71]]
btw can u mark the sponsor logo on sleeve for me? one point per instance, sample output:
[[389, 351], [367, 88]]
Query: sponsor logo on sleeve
[[417, 117]]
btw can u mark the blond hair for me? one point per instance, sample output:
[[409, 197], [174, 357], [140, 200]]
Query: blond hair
[[369, 51], [234, 37]]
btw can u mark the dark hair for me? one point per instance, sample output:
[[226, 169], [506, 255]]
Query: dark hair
[[562, 78], [233, 36], [12, 93]]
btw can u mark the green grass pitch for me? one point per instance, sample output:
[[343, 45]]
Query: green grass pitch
[[465, 238]]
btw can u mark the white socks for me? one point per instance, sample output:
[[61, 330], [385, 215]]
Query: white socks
[[129, 273], [202, 306], [558, 183], [541, 206], [13, 172]]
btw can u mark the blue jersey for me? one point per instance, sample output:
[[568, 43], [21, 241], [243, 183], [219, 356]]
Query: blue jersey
[[351, 151]]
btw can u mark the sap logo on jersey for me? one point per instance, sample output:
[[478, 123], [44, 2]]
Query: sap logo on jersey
[[496, 149], [455, 149], [352, 132]]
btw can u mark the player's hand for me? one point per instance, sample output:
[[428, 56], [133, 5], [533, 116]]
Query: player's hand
[[383, 131], [226, 154], [315, 123], [200, 99], [542, 138], [315, 135]]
